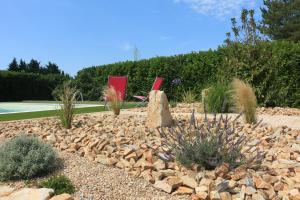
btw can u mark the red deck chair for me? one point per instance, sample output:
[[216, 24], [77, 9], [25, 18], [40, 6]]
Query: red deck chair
[[119, 83], [156, 86]]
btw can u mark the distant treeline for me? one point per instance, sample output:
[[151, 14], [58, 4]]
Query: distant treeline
[[30, 81], [34, 66]]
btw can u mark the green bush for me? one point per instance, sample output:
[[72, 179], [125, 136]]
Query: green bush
[[60, 184], [25, 157], [218, 99], [208, 144]]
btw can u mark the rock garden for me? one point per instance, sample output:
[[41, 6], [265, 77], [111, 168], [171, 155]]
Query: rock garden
[[150, 153]]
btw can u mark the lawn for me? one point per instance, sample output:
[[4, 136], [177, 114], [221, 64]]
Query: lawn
[[51, 113]]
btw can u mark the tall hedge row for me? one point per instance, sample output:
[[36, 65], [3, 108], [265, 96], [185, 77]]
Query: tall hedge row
[[16, 86], [196, 70], [273, 68]]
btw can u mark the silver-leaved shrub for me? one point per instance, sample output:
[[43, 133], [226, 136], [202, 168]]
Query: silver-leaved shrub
[[24, 157]]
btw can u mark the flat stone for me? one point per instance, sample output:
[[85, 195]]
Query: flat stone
[[250, 190], [62, 197], [159, 165], [188, 181], [201, 188], [102, 159], [174, 181], [202, 195], [30, 194], [260, 183], [257, 197], [5, 190], [214, 195], [225, 196], [223, 186], [183, 190], [162, 185]]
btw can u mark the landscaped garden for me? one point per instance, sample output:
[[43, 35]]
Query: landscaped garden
[[219, 125]]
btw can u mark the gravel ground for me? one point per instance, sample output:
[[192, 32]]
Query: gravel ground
[[104, 182]]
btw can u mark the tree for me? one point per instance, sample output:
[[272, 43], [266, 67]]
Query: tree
[[281, 19], [247, 32], [23, 66], [52, 68], [33, 66], [13, 66]]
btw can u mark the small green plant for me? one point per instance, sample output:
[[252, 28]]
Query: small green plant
[[188, 96], [25, 157], [67, 98], [114, 100], [60, 184], [218, 99], [245, 100], [208, 144], [173, 104]]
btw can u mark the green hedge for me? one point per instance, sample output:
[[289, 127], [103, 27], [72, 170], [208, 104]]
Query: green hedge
[[196, 70], [16, 86], [273, 68]]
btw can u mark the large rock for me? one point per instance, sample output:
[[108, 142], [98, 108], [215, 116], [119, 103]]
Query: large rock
[[30, 194], [158, 110]]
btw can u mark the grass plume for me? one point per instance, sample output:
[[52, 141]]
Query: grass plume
[[67, 98], [245, 100], [114, 100]]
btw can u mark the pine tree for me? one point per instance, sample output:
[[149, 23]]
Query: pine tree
[[52, 68], [13, 66], [23, 66], [281, 19], [33, 66]]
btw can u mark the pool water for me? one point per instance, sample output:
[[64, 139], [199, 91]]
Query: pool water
[[6, 107]]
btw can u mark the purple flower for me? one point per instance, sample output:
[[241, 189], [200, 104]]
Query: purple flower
[[176, 82]]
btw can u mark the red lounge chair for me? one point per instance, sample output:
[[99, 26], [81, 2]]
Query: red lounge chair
[[119, 83], [156, 86]]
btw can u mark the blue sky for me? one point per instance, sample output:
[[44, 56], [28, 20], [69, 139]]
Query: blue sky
[[82, 33]]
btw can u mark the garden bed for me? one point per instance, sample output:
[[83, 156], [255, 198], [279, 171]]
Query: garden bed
[[125, 142]]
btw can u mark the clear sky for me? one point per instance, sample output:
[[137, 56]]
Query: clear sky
[[80, 33]]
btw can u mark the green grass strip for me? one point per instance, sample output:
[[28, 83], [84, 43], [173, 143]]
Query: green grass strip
[[51, 113]]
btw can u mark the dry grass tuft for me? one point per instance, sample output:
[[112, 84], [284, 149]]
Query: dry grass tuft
[[188, 96], [67, 99], [113, 99], [245, 100]]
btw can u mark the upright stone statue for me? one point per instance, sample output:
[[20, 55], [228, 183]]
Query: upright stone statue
[[158, 110]]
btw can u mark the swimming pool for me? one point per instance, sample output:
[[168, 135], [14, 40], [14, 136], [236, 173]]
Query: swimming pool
[[8, 107]]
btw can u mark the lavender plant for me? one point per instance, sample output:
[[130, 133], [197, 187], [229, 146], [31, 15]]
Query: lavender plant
[[209, 143]]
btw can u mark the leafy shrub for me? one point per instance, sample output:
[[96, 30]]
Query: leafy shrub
[[60, 184], [67, 98], [25, 157], [208, 144], [218, 99], [188, 96], [245, 100], [113, 99]]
